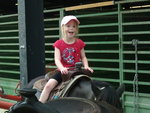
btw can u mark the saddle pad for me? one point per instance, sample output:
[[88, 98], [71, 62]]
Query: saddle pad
[[39, 85]]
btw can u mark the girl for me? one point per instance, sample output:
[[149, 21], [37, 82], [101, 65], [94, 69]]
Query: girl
[[68, 51]]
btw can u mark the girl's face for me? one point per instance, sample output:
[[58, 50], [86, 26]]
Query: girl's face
[[70, 29]]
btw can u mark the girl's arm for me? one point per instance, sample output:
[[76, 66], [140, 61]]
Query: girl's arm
[[57, 57], [85, 61]]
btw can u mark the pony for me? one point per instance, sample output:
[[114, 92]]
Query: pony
[[63, 105], [80, 89], [83, 87]]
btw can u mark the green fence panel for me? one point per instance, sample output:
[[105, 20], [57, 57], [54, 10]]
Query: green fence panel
[[9, 52], [9, 46]]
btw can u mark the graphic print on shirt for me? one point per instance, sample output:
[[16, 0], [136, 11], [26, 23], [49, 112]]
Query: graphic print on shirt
[[68, 55]]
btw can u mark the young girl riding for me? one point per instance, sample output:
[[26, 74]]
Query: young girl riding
[[68, 50]]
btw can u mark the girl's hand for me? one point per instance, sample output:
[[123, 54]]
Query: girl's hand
[[64, 71], [88, 68]]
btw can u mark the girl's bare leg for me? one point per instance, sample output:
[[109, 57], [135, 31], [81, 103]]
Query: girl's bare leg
[[47, 90]]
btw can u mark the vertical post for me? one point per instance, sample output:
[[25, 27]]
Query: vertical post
[[31, 39]]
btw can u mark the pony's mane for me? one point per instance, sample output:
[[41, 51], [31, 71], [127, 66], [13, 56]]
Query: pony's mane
[[107, 93]]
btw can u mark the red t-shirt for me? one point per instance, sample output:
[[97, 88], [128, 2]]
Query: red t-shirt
[[70, 53]]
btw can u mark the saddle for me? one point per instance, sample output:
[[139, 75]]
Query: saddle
[[63, 88]]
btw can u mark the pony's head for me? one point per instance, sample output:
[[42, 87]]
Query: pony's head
[[105, 92]]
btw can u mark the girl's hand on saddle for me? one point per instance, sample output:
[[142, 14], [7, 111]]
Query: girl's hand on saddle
[[88, 68], [64, 71]]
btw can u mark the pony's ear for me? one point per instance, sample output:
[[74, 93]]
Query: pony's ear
[[120, 90], [96, 90]]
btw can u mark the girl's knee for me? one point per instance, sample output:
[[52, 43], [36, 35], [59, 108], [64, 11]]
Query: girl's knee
[[51, 83]]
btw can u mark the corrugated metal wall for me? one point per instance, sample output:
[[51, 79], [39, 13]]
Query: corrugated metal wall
[[108, 33]]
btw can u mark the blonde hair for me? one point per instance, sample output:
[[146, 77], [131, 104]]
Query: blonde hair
[[63, 34]]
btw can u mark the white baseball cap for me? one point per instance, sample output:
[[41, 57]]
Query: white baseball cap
[[66, 19]]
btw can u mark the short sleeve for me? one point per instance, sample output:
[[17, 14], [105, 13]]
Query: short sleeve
[[57, 44], [81, 43]]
